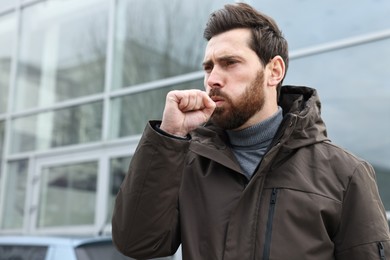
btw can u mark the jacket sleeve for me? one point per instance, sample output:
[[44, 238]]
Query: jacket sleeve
[[145, 222], [363, 232]]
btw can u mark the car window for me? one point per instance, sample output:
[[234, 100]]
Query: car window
[[99, 251], [16, 252]]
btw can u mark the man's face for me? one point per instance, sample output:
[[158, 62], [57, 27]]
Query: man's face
[[234, 79]]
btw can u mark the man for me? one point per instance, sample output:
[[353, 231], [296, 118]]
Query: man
[[242, 171]]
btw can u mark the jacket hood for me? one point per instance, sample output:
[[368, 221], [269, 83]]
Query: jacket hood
[[302, 124]]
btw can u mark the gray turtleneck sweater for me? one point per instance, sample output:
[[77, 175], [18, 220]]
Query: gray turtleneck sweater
[[250, 144]]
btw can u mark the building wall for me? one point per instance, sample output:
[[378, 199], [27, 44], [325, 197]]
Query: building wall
[[80, 79]]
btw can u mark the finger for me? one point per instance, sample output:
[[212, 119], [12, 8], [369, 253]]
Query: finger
[[208, 102], [191, 101], [185, 101], [209, 106]]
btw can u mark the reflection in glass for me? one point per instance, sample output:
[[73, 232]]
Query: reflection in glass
[[2, 133], [7, 31], [118, 171], [68, 194], [75, 125], [7, 3], [131, 113], [319, 22], [68, 39], [157, 39], [383, 180], [15, 194]]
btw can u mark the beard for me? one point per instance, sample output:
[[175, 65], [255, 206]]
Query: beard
[[235, 113]]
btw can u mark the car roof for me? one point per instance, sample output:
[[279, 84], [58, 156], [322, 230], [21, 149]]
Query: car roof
[[51, 240]]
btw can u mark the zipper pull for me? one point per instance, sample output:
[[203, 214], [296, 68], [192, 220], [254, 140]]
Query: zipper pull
[[381, 249]]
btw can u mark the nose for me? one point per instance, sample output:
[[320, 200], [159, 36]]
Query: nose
[[214, 79]]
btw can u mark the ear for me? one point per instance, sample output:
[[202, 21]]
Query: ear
[[277, 69]]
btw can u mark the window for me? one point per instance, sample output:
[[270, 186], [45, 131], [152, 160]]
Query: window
[[68, 195], [74, 125], [7, 29], [2, 130], [383, 180], [6, 3], [150, 49], [326, 21], [118, 171], [69, 40], [15, 194]]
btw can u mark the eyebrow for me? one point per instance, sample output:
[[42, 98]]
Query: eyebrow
[[207, 63], [220, 60]]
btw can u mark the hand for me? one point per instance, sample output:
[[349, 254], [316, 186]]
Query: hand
[[185, 110]]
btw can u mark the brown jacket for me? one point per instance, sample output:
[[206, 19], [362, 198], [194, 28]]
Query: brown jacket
[[308, 199]]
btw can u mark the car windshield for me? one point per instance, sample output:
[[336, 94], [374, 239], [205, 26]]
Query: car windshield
[[99, 251], [17, 252]]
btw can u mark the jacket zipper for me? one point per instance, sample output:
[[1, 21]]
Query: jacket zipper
[[381, 251], [268, 232]]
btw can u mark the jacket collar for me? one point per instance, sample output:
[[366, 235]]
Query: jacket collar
[[212, 142], [302, 125]]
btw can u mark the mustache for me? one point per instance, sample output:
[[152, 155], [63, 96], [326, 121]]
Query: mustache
[[216, 92]]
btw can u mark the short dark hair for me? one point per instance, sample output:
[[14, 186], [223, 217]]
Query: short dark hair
[[267, 39]]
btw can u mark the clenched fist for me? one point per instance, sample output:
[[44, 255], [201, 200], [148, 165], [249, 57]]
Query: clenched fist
[[185, 110]]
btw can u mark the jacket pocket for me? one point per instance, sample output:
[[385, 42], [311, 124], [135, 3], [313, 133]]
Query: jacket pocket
[[268, 232], [381, 250]]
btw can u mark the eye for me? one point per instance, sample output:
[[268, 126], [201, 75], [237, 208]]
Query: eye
[[230, 62], [207, 68]]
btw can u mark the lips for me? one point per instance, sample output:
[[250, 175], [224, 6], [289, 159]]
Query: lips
[[217, 99]]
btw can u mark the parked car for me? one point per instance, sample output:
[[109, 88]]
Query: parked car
[[59, 248]]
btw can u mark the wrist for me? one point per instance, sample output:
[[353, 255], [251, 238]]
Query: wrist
[[163, 131], [173, 132]]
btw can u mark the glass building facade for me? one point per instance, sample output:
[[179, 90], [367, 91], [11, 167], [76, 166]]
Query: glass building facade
[[80, 79]]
